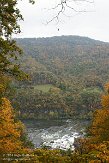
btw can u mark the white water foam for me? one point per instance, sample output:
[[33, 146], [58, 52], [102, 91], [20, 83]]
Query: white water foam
[[54, 137]]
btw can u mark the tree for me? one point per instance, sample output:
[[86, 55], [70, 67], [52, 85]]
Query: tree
[[100, 124], [91, 98], [10, 129], [9, 51], [4, 85], [95, 147]]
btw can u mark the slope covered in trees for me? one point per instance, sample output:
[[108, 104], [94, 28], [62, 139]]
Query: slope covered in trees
[[75, 75], [76, 67]]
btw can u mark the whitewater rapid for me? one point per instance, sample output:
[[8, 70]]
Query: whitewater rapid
[[55, 137]]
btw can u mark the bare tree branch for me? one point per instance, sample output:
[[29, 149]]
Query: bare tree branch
[[64, 4]]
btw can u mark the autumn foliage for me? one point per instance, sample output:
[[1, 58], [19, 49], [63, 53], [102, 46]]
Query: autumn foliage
[[95, 148], [10, 129]]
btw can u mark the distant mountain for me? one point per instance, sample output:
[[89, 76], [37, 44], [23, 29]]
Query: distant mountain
[[76, 40], [78, 68], [66, 55]]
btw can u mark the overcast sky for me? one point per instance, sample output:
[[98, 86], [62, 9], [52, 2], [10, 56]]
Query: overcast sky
[[94, 23]]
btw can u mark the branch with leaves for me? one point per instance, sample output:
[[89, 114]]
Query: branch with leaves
[[9, 51]]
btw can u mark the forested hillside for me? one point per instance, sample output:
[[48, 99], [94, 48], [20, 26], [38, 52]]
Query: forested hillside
[[66, 76], [55, 78]]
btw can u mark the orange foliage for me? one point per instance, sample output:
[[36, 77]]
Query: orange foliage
[[96, 147], [105, 101], [10, 131], [100, 125]]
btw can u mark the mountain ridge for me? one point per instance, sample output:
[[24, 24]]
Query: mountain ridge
[[76, 69], [64, 37]]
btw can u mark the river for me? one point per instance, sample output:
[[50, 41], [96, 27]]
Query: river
[[56, 134]]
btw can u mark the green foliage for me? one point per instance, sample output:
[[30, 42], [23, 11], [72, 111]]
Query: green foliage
[[91, 97], [9, 15], [9, 51], [40, 105], [44, 87]]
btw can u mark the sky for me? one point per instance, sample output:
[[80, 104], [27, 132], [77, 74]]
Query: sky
[[92, 22]]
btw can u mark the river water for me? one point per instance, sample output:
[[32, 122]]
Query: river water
[[56, 134]]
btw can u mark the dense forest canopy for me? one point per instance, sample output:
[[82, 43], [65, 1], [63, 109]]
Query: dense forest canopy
[[74, 67]]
